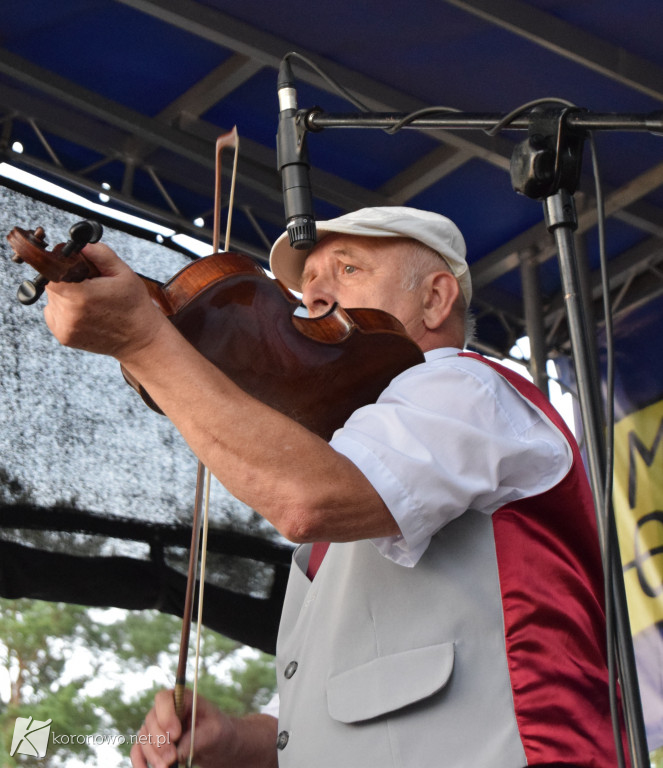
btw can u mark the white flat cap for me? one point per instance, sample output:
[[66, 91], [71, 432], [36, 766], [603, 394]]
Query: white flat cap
[[434, 230]]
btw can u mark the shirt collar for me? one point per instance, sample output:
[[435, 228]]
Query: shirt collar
[[441, 352]]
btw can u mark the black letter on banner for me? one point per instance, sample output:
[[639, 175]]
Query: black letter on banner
[[648, 454], [642, 557]]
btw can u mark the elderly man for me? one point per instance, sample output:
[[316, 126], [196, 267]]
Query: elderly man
[[456, 617]]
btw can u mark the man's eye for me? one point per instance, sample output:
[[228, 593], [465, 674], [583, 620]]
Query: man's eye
[[349, 269]]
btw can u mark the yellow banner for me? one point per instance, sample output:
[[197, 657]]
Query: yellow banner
[[638, 500]]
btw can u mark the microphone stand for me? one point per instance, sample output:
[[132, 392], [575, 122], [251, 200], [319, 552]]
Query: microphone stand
[[546, 167]]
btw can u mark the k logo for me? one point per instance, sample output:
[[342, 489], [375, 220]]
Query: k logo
[[30, 737]]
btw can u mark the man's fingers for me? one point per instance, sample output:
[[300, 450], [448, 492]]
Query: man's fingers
[[104, 258], [164, 715], [156, 741]]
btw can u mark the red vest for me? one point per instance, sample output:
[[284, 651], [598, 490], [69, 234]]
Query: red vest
[[551, 579]]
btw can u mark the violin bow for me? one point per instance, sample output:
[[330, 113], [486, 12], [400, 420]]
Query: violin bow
[[200, 523]]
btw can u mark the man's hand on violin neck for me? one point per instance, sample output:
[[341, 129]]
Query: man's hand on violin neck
[[110, 315]]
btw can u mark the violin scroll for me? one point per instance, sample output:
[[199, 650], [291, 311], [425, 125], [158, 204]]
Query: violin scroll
[[64, 263]]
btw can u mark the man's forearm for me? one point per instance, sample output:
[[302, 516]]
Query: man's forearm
[[282, 470]]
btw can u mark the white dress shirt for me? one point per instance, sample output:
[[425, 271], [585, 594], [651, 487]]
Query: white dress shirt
[[449, 435]]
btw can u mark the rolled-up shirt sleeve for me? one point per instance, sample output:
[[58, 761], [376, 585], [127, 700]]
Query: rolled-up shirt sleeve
[[449, 435]]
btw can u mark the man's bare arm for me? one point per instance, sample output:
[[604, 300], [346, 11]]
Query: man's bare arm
[[289, 475]]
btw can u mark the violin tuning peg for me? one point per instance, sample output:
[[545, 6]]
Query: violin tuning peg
[[82, 233], [29, 291], [97, 231], [85, 232]]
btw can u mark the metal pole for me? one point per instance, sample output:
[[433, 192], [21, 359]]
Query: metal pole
[[561, 220], [532, 305], [584, 277], [559, 211]]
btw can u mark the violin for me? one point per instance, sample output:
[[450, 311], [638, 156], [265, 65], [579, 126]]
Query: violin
[[315, 370]]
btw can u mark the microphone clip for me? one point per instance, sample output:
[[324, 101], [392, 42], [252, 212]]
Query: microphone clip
[[293, 164]]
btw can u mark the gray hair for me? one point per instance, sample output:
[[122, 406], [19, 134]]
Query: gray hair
[[419, 261]]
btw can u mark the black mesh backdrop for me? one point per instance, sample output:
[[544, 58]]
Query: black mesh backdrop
[[96, 490]]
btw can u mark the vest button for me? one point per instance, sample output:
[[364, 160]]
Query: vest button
[[282, 740], [290, 670]]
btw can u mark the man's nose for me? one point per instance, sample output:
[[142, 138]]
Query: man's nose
[[316, 297]]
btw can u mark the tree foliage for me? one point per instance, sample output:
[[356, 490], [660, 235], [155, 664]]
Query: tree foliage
[[94, 674], [38, 639]]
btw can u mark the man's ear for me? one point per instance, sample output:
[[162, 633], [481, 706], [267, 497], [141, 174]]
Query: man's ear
[[441, 292]]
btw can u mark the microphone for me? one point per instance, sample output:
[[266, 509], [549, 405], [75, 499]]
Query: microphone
[[293, 164]]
